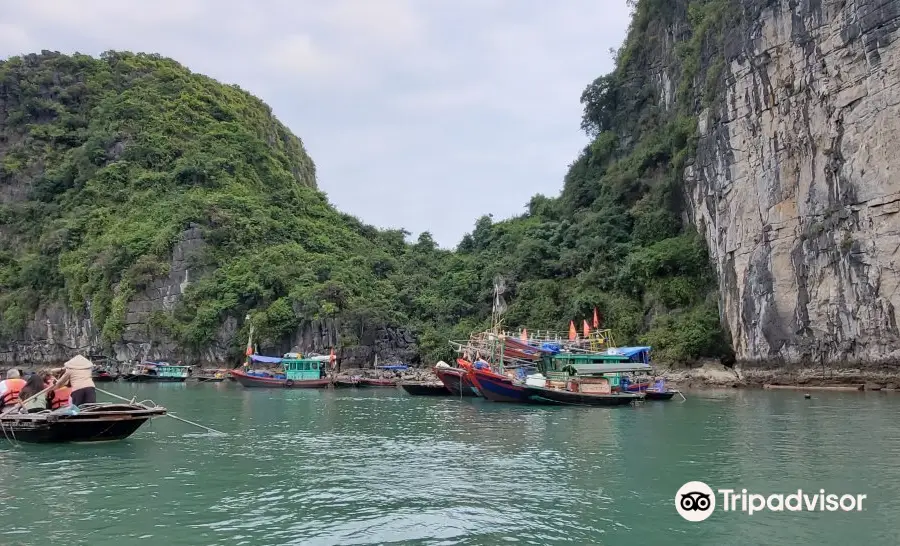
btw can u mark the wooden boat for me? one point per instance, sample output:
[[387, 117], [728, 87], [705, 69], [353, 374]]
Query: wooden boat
[[157, 372], [545, 395], [296, 373], [456, 380], [658, 395], [498, 387], [346, 382], [211, 376], [92, 423], [376, 382], [102, 375], [421, 388]]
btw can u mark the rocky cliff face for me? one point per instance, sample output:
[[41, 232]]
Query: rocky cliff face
[[796, 182], [56, 333]]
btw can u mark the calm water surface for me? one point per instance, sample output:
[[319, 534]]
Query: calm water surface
[[379, 466]]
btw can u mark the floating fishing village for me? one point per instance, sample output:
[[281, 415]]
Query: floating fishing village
[[536, 368]]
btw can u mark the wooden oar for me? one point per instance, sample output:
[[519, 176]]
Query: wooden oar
[[167, 413]]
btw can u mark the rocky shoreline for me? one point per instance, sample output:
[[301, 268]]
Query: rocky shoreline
[[868, 377]]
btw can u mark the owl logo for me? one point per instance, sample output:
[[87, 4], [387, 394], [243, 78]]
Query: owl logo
[[695, 501]]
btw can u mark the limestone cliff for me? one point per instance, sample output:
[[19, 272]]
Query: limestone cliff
[[146, 211], [795, 184]]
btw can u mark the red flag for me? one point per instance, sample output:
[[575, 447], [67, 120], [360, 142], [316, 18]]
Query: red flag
[[249, 350], [572, 333], [587, 329], [596, 319], [332, 358]]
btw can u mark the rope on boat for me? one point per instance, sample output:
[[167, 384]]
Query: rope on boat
[[167, 413]]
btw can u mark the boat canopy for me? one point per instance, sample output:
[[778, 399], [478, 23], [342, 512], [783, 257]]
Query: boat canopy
[[635, 354], [266, 359]]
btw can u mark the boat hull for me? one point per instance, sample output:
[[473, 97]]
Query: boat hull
[[499, 388], [113, 422], [345, 383], [425, 389], [656, 395], [457, 381], [370, 382], [543, 395], [210, 379], [104, 378], [140, 378], [250, 381]]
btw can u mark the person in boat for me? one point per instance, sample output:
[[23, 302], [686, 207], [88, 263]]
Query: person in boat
[[10, 388], [78, 376], [31, 402]]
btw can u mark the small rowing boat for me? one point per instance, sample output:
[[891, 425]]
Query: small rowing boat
[[87, 423], [376, 382]]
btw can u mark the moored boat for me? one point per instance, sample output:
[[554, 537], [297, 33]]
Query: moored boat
[[102, 375], [422, 388], [651, 394], [346, 382], [157, 372], [211, 376], [296, 373], [456, 380], [376, 382], [545, 395], [498, 387], [91, 423]]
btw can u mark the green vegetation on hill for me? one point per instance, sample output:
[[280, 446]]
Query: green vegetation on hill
[[104, 163]]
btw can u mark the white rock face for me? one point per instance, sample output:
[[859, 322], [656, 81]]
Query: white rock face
[[796, 186]]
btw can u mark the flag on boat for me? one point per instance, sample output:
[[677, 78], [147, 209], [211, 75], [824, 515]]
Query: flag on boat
[[572, 333], [596, 319], [524, 335], [587, 329]]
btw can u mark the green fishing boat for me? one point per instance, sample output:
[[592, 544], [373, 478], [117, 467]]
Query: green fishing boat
[[157, 372]]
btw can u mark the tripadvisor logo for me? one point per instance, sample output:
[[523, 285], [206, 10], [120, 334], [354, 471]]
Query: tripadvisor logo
[[695, 501]]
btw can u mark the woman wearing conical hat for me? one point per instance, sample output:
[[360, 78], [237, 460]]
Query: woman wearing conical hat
[[78, 373]]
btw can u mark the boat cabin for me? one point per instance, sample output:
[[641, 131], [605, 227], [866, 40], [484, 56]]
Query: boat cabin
[[303, 369], [612, 366]]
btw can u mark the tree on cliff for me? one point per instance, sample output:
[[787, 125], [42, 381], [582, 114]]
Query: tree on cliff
[[106, 164]]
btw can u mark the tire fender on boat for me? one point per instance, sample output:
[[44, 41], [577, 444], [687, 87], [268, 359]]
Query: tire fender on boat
[[289, 383]]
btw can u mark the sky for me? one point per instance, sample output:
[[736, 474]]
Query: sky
[[419, 114]]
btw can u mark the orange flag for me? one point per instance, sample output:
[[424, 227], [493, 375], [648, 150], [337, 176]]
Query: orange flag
[[596, 319], [587, 329], [524, 335], [572, 333]]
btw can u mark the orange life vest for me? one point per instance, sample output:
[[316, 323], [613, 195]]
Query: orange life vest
[[13, 388], [60, 398]]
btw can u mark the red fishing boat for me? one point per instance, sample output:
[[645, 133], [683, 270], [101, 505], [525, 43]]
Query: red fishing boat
[[259, 380], [457, 380], [497, 387]]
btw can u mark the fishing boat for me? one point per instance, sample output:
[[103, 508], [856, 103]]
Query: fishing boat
[[157, 372], [376, 382], [346, 382], [456, 380], [211, 376], [103, 375], [424, 388], [497, 387], [295, 373], [91, 423], [572, 396], [583, 379]]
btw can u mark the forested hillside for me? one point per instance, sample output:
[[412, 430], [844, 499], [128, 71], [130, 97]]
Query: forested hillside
[[105, 163]]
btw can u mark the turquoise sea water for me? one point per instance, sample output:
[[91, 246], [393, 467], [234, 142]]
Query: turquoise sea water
[[380, 467]]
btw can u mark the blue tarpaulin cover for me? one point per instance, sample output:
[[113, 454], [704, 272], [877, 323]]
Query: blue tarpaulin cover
[[393, 367], [266, 359]]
